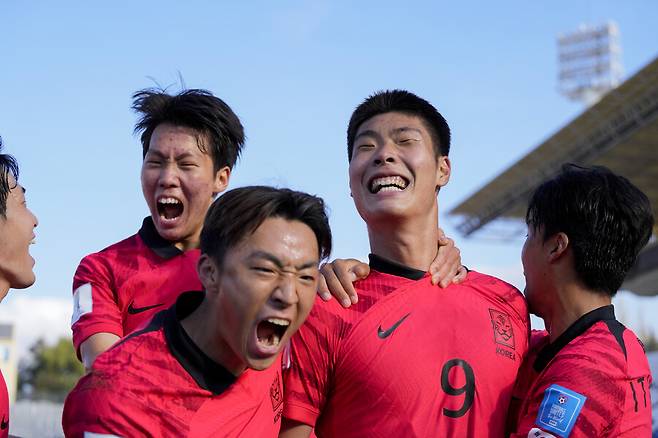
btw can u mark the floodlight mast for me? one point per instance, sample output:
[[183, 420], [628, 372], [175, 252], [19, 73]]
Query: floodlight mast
[[589, 62]]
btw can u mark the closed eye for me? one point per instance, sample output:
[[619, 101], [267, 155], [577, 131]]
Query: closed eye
[[262, 269]]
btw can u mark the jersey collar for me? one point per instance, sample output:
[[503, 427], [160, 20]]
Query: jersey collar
[[605, 313], [390, 267], [155, 242], [207, 373]]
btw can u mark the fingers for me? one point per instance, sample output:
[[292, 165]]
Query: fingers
[[452, 264], [361, 270], [323, 289], [452, 271], [441, 265], [334, 284], [338, 278], [348, 271], [461, 275], [447, 267]]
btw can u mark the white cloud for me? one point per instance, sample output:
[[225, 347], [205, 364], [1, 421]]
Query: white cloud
[[36, 317]]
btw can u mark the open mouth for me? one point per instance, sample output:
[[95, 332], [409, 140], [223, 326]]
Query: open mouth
[[388, 184], [270, 331], [169, 208]]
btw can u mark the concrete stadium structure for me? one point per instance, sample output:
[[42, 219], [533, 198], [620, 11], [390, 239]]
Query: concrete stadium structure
[[620, 132]]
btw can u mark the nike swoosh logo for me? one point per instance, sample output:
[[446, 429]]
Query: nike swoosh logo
[[4, 424], [135, 310], [383, 334]]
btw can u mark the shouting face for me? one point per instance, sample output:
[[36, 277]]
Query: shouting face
[[263, 291], [179, 182]]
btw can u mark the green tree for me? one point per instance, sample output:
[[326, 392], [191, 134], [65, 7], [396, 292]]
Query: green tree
[[50, 372]]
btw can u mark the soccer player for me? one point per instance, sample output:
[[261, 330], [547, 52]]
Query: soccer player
[[17, 225], [190, 143], [588, 375], [408, 359], [210, 364]]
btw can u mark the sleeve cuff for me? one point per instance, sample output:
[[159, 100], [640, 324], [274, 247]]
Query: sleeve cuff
[[303, 414]]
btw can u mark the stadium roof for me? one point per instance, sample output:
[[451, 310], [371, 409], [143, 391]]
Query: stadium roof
[[619, 132]]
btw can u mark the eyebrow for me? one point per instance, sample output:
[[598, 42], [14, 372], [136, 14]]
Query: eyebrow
[[407, 128], [367, 133], [177, 157], [274, 259], [371, 133]]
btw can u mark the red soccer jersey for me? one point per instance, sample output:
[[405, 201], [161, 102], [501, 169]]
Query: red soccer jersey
[[593, 381], [4, 408], [409, 359], [157, 383], [121, 287]]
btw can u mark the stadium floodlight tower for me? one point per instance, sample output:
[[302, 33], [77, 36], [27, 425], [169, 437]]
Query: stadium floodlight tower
[[590, 62]]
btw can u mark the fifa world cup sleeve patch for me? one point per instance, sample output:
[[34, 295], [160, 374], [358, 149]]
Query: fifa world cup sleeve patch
[[559, 410], [82, 302]]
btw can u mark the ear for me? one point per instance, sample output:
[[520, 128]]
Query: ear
[[221, 180], [208, 272], [557, 246], [443, 171]]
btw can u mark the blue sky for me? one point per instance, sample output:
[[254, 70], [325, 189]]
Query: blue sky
[[293, 71]]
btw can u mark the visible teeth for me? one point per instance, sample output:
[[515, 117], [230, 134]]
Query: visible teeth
[[168, 201], [390, 189], [272, 339], [388, 183], [33, 241], [278, 321]]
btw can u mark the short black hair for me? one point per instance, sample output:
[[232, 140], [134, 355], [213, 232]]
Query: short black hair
[[607, 219], [401, 101], [8, 166], [199, 110], [239, 212]]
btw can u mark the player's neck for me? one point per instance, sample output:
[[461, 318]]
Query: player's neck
[[189, 243], [572, 302], [201, 327], [411, 243]]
